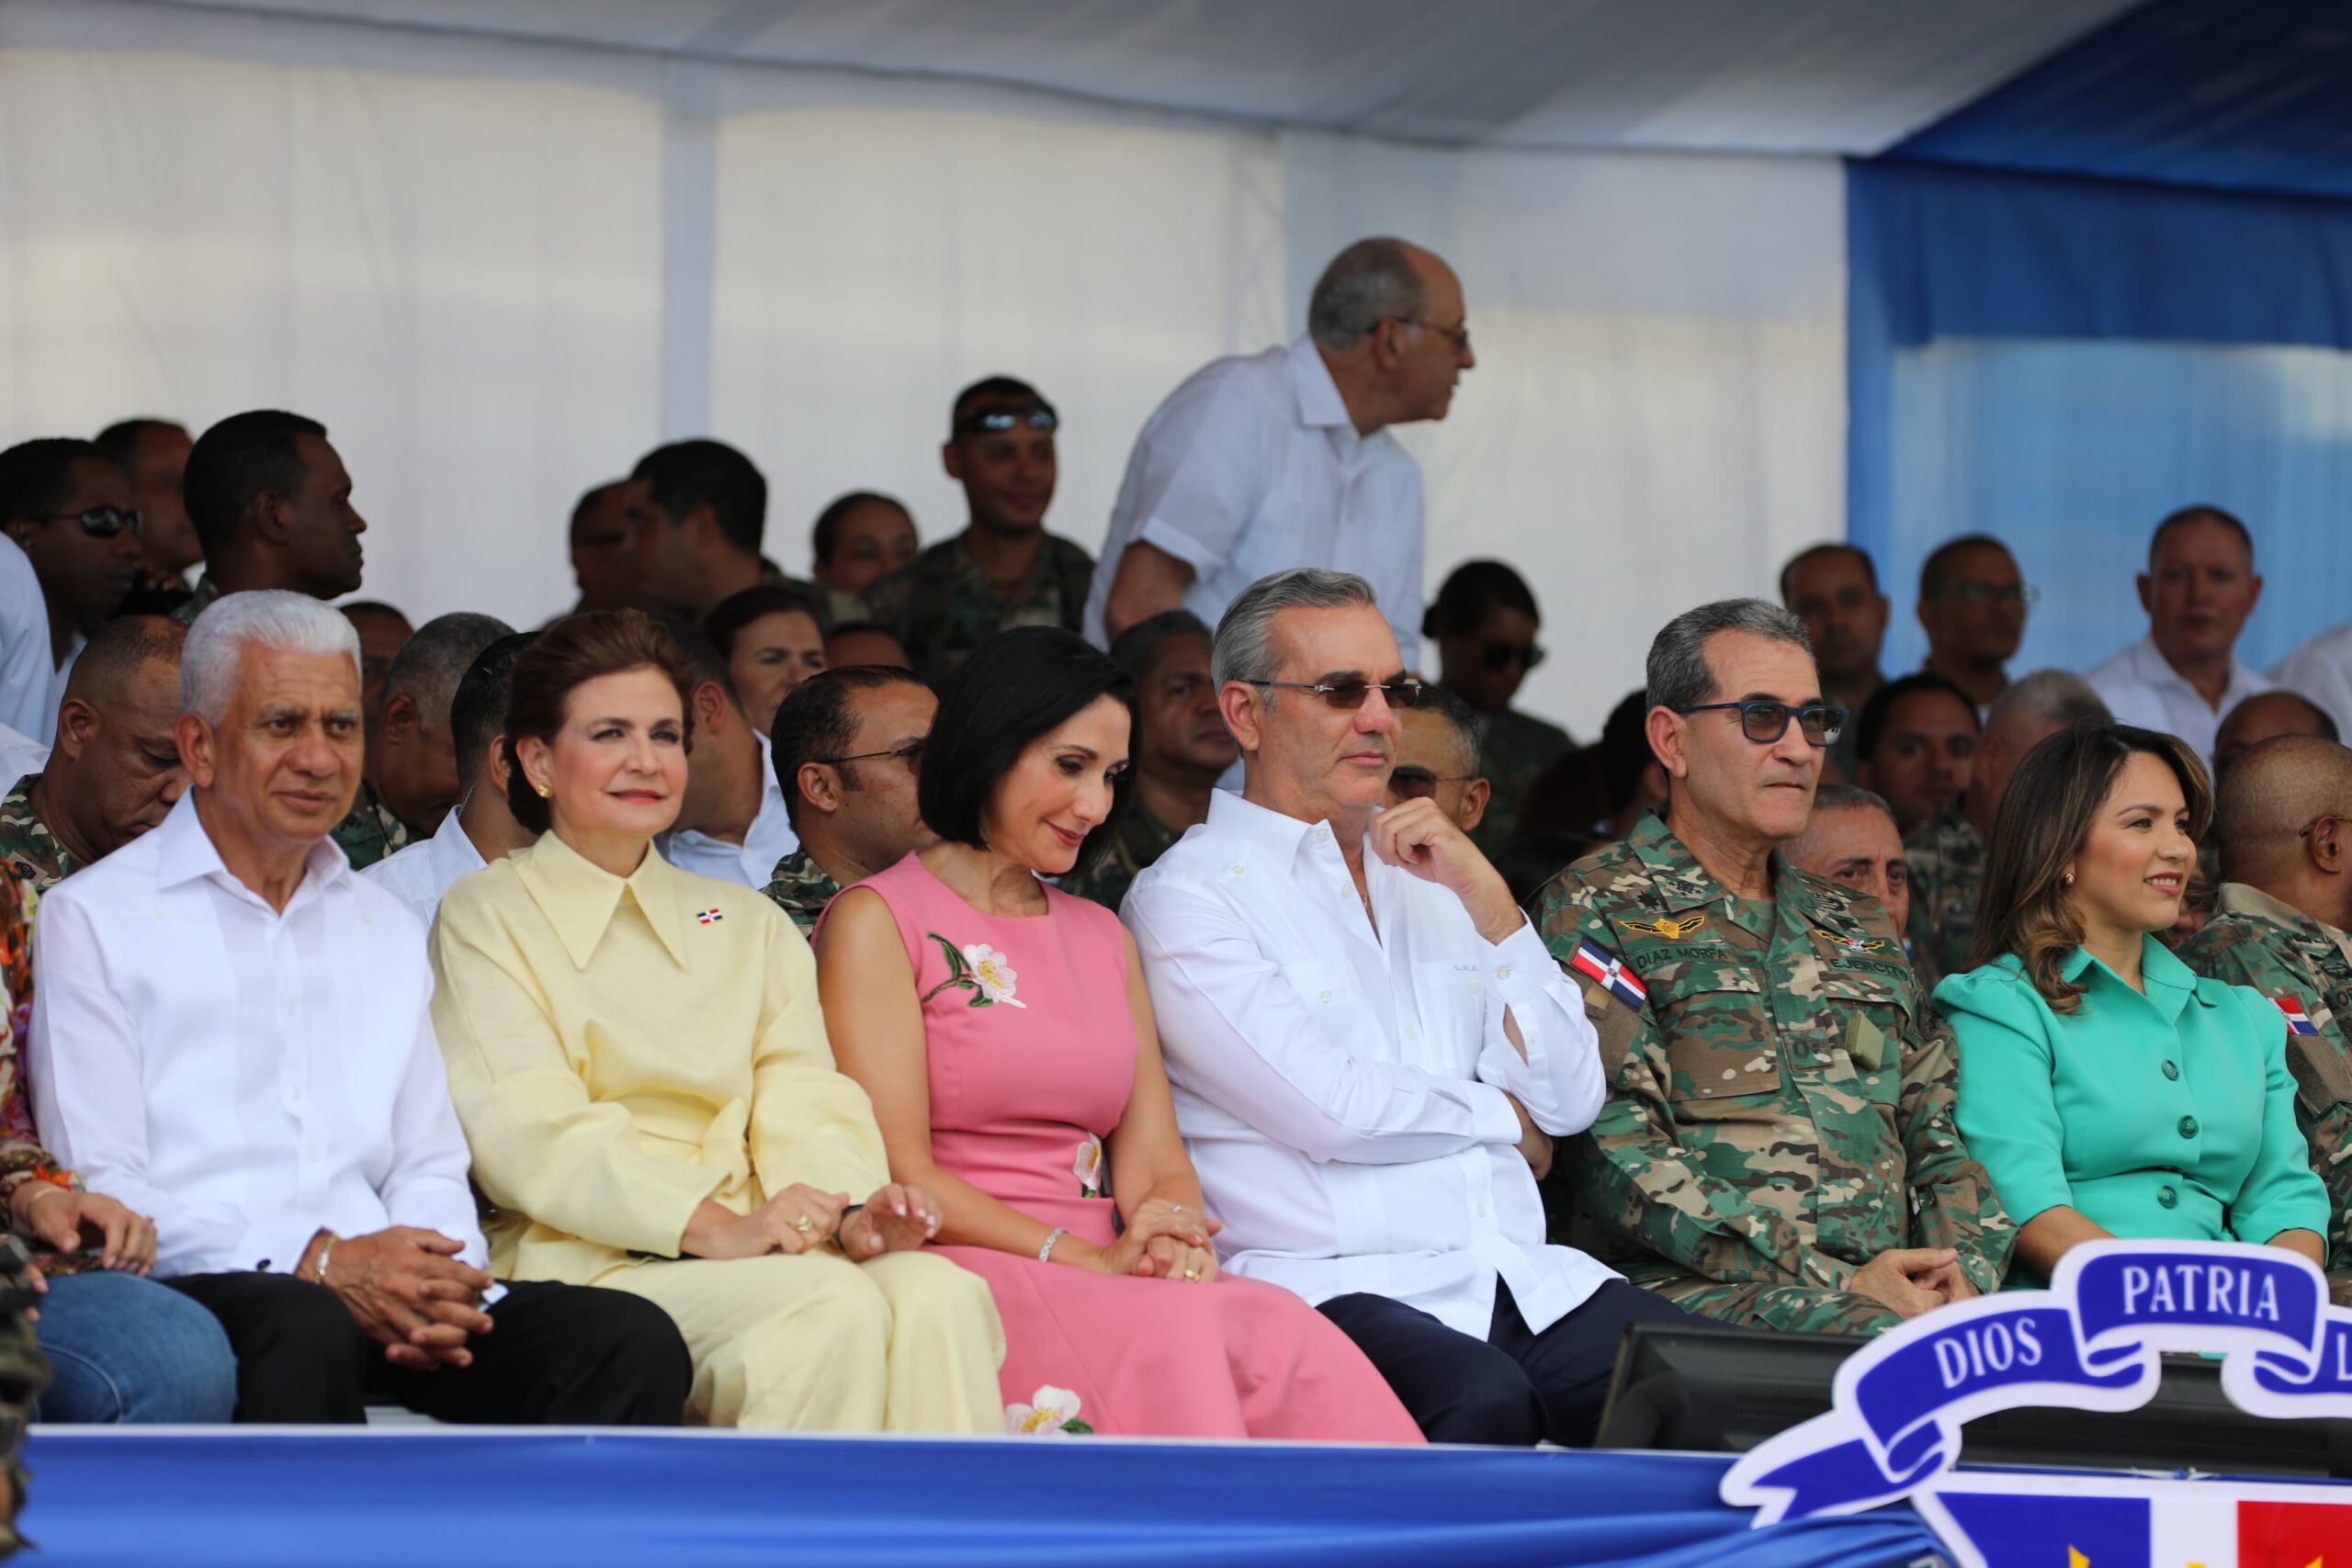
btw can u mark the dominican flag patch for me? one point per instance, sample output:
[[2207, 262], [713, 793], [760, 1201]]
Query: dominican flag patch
[[710, 917], [1605, 969], [2298, 1021]]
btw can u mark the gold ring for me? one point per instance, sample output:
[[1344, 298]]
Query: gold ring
[[1193, 1275], [804, 1225]]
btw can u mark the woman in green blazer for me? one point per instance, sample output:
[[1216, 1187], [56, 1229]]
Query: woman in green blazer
[[2110, 1091]]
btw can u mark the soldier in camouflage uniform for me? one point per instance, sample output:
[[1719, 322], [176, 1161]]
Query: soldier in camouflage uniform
[[1833, 589], [1514, 748], [1140, 839], [1180, 750], [847, 747], [1483, 623], [197, 602], [2285, 822], [1003, 569], [1778, 1147], [801, 888]]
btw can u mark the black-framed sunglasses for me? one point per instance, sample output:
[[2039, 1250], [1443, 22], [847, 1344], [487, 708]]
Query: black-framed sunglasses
[[99, 521], [1415, 783], [996, 421], [1764, 721], [910, 754], [1502, 654], [1348, 695]]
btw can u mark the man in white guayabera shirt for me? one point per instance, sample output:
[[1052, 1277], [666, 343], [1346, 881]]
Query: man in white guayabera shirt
[[231, 1034], [1371, 1049]]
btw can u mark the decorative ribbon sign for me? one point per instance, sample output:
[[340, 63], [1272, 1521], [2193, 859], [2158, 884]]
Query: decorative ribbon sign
[[2090, 1342]]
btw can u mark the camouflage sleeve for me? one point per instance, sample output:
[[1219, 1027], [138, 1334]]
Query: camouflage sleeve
[[1952, 1201], [1636, 1175]]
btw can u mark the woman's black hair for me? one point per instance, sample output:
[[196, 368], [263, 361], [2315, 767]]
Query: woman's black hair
[[1474, 591], [1018, 685]]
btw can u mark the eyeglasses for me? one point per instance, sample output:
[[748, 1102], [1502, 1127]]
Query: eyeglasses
[[2314, 826], [1764, 721], [2006, 592], [1458, 336], [1499, 655], [910, 754], [1036, 416], [99, 521], [1348, 695], [1415, 783]]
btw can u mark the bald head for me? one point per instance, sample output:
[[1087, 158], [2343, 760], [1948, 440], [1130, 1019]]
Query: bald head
[[2270, 804], [2263, 716]]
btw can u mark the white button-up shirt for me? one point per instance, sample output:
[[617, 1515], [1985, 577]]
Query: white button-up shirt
[[420, 873], [1253, 467], [28, 667], [2322, 671], [245, 1077], [753, 861], [2139, 688], [1342, 1092]]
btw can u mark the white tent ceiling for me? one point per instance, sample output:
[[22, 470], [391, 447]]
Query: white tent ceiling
[[1717, 75]]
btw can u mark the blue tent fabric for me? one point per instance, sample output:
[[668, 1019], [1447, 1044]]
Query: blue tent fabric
[[252, 1498], [2251, 95]]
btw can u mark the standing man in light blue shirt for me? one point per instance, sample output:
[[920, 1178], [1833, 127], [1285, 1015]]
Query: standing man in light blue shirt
[[1263, 462]]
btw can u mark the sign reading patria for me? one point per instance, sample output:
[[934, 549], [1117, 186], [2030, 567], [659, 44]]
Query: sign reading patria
[[2090, 1342]]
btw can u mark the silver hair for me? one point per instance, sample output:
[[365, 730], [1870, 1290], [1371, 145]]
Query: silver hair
[[270, 618], [1370, 282], [1849, 797], [430, 664], [1244, 649], [2055, 696], [1678, 673]]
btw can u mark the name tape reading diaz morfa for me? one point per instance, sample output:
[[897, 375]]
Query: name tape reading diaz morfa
[[2090, 1342]]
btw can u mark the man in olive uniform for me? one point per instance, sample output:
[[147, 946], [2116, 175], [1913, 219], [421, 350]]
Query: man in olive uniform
[[2284, 818], [1779, 1146], [846, 747], [1180, 750], [1003, 569]]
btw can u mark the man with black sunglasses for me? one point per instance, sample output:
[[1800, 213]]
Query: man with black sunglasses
[[1370, 1050], [847, 744], [67, 506], [1778, 1148], [1003, 569]]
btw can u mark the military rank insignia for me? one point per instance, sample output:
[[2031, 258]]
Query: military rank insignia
[[1608, 970], [2298, 1021], [1844, 944], [1666, 926]]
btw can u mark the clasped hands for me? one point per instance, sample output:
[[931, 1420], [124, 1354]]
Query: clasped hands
[[67, 1219], [1164, 1240], [898, 1218], [1914, 1280]]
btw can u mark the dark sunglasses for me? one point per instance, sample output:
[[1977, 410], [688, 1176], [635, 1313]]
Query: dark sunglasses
[[99, 521], [1501, 655], [1764, 721], [910, 754], [996, 421], [1401, 692], [1413, 782]]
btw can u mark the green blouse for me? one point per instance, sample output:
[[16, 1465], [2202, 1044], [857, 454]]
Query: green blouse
[[2168, 1114]]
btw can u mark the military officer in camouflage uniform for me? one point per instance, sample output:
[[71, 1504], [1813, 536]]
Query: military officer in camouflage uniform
[[2285, 821], [1947, 852], [1003, 569], [1833, 589], [1779, 1146], [1182, 748], [848, 744]]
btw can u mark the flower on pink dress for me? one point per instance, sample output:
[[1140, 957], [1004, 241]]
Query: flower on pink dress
[[1050, 1413], [980, 969], [1088, 1167]]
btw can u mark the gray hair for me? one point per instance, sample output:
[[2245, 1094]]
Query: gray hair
[[1244, 649], [268, 618], [430, 664], [2054, 696], [1366, 284], [1677, 672], [1849, 797]]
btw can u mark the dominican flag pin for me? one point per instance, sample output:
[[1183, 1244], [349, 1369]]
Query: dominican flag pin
[[710, 917], [1608, 970], [2298, 1021]]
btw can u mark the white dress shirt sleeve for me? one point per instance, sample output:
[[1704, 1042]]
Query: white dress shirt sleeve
[[427, 1185], [27, 666], [1559, 1081], [89, 1102], [1199, 477], [1236, 1033]]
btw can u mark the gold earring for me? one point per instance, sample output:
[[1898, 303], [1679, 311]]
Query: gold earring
[[545, 793], [2065, 878]]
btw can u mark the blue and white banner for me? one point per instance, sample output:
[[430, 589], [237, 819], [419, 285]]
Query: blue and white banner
[[2090, 1342]]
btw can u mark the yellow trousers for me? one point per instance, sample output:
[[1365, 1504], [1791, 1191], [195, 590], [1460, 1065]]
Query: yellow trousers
[[906, 1342]]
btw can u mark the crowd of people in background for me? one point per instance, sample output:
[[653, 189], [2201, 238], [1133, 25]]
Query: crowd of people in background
[[982, 988]]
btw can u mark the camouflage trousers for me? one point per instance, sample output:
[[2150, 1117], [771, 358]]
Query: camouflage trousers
[[2340, 1286], [1793, 1309]]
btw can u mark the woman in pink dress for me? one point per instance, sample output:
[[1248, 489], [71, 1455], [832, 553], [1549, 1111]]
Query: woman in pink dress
[[1002, 1029]]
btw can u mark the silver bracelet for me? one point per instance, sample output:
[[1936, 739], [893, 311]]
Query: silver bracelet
[[326, 1251], [1045, 1253]]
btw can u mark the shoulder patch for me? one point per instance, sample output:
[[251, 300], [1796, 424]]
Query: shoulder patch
[[1608, 970], [2299, 1021]]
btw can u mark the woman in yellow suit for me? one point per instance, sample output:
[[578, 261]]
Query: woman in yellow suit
[[638, 1059]]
